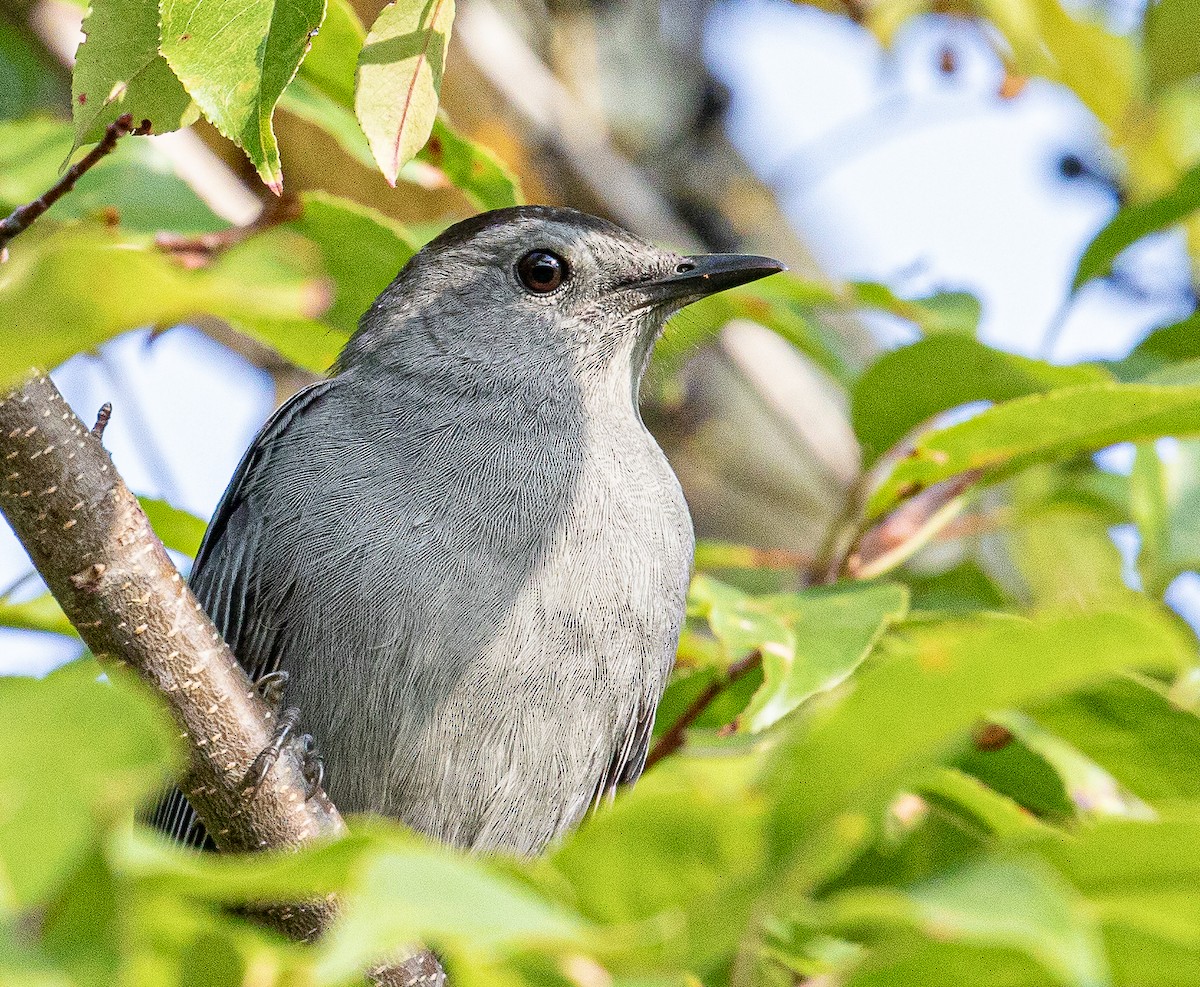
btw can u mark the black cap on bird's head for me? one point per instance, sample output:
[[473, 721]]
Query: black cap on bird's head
[[531, 277]]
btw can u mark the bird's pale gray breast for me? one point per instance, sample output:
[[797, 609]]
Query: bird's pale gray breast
[[472, 608]]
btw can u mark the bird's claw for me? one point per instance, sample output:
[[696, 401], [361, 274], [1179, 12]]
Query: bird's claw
[[271, 687], [261, 766], [312, 765]]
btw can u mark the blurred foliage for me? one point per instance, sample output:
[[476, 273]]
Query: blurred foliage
[[984, 769]]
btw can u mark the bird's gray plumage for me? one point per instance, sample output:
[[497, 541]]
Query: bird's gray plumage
[[464, 546]]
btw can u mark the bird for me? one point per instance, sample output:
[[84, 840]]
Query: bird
[[463, 548]]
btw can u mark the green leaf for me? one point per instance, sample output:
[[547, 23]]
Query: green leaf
[[809, 641], [330, 64], [22, 965], [362, 250], [177, 530], [266, 287], [928, 686], [1175, 343], [78, 755], [737, 620], [1021, 773], [909, 386], [272, 287], [323, 94], [305, 100], [1132, 729], [424, 894], [958, 590], [1017, 903], [1065, 556], [1140, 880], [118, 69], [955, 312], [1165, 503], [42, 613], [236, 57], [1041, 428], [932, 963], [1170, 32], [1135, 221], [82, 928], [28, 80], [969, 798], [684, 847], [136, 181], [481, 176], [399, 78], [323, 91], [1093, 791]]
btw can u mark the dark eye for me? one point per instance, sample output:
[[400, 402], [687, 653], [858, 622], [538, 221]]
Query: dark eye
[[541, 271]]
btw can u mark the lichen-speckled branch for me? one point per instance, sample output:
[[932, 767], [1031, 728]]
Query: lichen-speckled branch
[[93, 545]]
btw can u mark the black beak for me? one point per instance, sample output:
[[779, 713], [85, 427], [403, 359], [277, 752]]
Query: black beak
[[706, 274]]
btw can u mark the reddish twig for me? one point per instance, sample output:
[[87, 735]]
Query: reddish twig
[[906, 528], [672, 739], [20, 219], [196, 251]]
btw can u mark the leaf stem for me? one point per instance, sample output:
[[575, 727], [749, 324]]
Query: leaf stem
[[196, 251], [21, 218], [673, 738]]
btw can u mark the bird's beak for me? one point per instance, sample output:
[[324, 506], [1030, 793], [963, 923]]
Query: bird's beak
[[706, 274]]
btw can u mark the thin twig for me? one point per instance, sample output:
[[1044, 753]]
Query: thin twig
[[907, 528], [842, 535], [19, 220], [673, 738], [196, 251], [102, 417], [137, 422], [7, 591]]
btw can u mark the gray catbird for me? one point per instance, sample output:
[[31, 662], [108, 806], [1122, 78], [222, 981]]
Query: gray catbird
[[464, 547]]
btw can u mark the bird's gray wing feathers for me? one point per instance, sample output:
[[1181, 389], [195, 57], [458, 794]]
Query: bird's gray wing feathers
[[629, 757], [225, 567], [220, 574]]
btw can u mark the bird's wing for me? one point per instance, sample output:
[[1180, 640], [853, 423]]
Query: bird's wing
[[225, 564], [219, 579], [629, 757]]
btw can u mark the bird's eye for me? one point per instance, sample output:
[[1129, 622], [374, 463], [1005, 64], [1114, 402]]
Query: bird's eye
[[541, 271]]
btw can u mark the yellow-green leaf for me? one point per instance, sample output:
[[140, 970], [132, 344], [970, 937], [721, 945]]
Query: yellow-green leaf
[[1041, 428], [399, 79], [236, 57], [119, 69]]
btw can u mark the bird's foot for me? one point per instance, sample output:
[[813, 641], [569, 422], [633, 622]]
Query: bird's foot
[[312, 766], [261, 766], [271, 687]]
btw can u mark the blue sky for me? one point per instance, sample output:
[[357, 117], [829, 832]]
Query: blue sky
[[896, 171]]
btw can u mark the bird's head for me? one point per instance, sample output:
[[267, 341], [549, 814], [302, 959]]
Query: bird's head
[[534, 285]]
